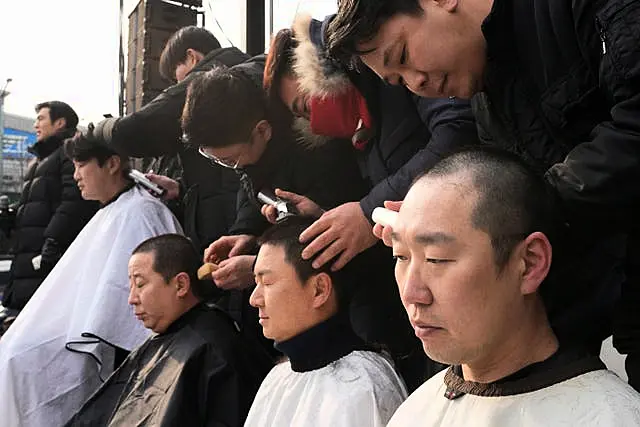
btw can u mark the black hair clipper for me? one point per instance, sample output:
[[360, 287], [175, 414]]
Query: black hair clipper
[[283, 208]]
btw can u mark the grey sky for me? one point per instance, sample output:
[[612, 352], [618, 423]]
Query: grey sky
[[68, 49]]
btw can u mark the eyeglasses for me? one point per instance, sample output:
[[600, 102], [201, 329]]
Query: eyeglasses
[[218, 161]]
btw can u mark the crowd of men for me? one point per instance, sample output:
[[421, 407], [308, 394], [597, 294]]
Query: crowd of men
[[502, 139]]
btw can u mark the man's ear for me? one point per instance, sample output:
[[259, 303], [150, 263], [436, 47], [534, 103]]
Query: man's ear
[[535, 254], [263, 130], [182, 284], [322, 287], [113, 164], [448, 5], [60, 124], [193, 57]]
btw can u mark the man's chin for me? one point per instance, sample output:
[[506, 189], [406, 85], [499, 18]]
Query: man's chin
[[440, 355]]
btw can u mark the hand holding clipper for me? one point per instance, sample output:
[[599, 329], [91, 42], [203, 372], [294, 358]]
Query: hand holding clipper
[[284, 208], [139, 178]]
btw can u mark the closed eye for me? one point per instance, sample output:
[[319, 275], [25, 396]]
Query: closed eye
[[399, 258], [438, 260], [403, 55]]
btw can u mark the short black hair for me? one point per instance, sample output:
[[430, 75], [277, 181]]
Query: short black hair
[[279, 62], [222, 108], [84, 147], [60, 110], [358, 21], [175, 51], [513, 199], [174, 254], [286, 235]]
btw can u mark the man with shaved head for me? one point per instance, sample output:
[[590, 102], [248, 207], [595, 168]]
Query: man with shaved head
[[474, 244]]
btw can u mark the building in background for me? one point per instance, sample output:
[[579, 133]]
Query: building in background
[[19, 135]]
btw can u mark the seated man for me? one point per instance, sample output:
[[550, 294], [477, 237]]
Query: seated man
[[473, 247], [196, 370], [64, 342], [331, 377]]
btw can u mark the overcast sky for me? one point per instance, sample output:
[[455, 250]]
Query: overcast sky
[[68, 49]]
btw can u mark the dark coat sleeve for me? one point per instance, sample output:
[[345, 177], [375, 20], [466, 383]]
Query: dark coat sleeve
[[599, 178], [154, 130], [249, 219], [73, 212], [451, 125]]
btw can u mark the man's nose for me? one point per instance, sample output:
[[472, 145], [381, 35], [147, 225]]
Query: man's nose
[[415, 81], [415, 289], [256, 297], [133, 297]]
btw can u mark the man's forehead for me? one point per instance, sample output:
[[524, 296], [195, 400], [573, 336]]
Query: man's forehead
[[140, 260], [268, 258], [437, 205]]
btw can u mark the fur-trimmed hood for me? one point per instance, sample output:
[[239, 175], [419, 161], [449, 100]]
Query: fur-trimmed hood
[[317, 73]]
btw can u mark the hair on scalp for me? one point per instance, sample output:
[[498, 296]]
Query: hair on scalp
[[222, 108], [286, 235], [359, 21], [175, 51], [174, 254], [513, 199]]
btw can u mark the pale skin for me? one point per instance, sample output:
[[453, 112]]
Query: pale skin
[[156, 302], [463, 308], [230, 253], [99, 183], [450, 64], [44, 127], [286, 305], [342, 231]]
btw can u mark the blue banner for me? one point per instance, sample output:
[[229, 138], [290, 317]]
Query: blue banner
[[16, 142]]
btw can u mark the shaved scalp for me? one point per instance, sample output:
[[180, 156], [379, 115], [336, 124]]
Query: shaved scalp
[[513, 200]]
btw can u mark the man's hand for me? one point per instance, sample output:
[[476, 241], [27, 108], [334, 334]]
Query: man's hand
[[384, 233], [228, 247], [234, 273], [171, 185], [343, 230], [304, 205]]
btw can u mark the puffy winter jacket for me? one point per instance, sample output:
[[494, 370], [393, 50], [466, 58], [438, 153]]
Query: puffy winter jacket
[[50, 216]]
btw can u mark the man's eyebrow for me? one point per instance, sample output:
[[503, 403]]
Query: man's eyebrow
[[435, 238], [262, 272]]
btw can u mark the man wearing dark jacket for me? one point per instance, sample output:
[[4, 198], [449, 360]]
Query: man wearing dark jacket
[[208, 193], [409, 135], [557, 83], [51, 212]]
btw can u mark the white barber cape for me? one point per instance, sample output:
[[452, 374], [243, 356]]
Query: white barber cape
[[594, 398], [58, 350], [360, 389]]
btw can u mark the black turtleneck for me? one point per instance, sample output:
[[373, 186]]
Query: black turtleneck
[[321, 345]]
